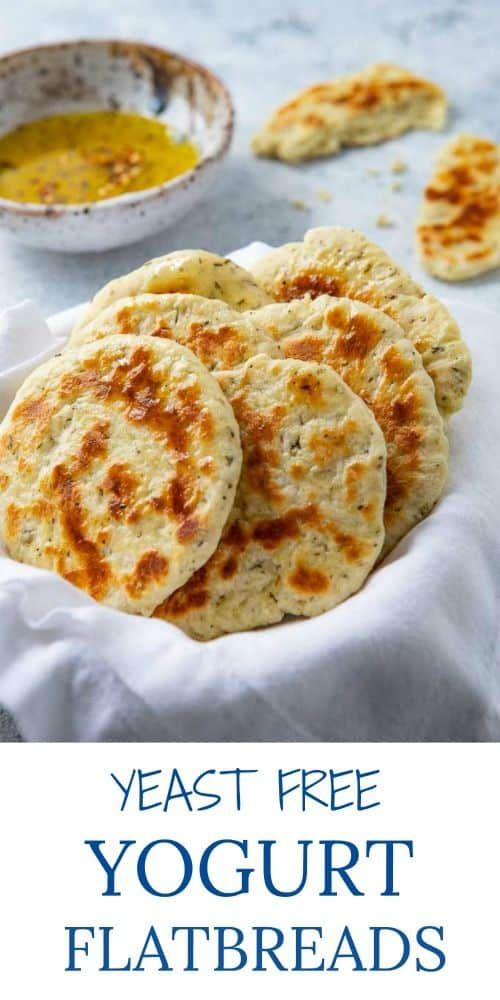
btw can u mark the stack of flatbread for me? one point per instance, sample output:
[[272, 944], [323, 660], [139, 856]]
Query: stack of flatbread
[[221, 449]]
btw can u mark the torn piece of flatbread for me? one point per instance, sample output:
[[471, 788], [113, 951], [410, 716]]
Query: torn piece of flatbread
[[336, 261], [369, 351], [378, 103], [458, 232]]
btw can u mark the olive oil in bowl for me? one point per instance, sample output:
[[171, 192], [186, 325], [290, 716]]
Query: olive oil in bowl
[[89, 156]]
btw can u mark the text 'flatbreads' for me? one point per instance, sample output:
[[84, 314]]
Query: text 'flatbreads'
[[378, 103], [336, 261], [118, 468], [196, 272], [307, 524], [219, 336], [382, 367], [458, 232]]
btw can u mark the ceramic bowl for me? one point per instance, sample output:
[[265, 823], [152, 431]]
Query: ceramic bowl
[[93, 75]]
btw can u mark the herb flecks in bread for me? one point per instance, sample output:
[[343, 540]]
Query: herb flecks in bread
[[381, 366], [196, 272]]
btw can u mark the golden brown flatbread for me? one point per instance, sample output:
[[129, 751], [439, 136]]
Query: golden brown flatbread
[[336, 261], [380, 365], [458, 232], [378, 103], [119, 463]]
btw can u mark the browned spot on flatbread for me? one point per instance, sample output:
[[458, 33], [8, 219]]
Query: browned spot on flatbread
[[189, 528], [306, 390], [162, 330], [94, 445], [359, 335], [31, 410], [368, 511], [93, 574], [356, 95], [259, 435], [211, 343], [398, 419], [332, 443], [40, 507], [139, 388], [297, 471], [353, 549], [396, 366], [151, 568], [235, 536], [180, 499], [480, 254], [308, 580], [353, 476], [271, 532], [229, 568], [121, 486], [13, 519], [314, 119], [33, 413], [127, 320], [364, 95], [308, 282]]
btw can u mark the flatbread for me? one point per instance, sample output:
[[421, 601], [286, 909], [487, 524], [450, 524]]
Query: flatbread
[[380, 365], [118, 469], [219, 336], [196, 272], [307, 524], [342, 262], [458, 232], [377, 103]]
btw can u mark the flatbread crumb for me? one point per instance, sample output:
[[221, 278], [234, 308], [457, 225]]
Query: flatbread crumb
[[399, 166]]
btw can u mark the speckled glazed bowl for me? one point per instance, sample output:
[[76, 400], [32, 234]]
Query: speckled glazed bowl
[[92, 75]]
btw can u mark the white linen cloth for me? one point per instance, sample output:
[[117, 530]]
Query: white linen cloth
[[414, 656]]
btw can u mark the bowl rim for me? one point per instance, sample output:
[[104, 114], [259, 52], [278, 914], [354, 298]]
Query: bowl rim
[[83, 208]]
